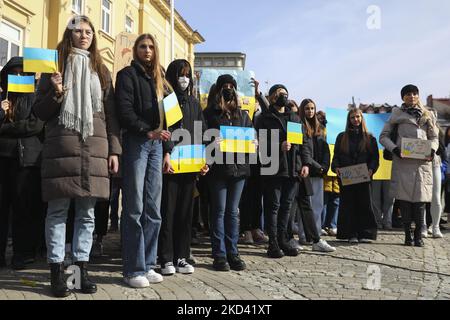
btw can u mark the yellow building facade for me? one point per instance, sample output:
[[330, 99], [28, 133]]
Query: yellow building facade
[[41, 24]]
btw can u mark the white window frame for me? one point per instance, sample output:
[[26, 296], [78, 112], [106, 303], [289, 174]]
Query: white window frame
[[129, 29], [18, 43], [81, 12], [106, 11]]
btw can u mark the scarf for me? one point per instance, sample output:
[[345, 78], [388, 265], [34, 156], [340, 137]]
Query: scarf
[[83, 96], [414, 111]]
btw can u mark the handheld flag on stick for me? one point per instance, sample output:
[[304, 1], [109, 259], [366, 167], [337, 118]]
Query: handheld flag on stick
[[21, 84], [294, 133], [237, 139], [188, 159], [40, 60], [172, 109]]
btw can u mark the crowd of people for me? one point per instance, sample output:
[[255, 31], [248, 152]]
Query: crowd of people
[[69, 148]]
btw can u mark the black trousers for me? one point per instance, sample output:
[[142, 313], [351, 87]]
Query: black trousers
[[176, 213], [413, 212], [20, 189], [279, 194], [250, 208], [302, 208], [101, 217]]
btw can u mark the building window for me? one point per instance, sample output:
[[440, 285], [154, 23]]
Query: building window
[[129, 24], [10, 42], [106, 16], [77, 7]]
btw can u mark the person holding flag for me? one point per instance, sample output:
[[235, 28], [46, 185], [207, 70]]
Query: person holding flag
[[178, 189], [140, 88], [81, 147], [226, 180], [20, 150]]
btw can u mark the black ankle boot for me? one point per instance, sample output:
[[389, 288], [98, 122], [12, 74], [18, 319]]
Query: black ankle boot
[[274, 250], [286, 247], [408, 237], [418, 214], [58, 283], [87, 286]]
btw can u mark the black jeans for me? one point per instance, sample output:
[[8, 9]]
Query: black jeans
[[21, 196], [250, 208], [279, 194], [306, 216], [101, 218], [176, 213]]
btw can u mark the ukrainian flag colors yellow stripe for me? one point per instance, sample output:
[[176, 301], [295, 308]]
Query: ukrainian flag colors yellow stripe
[[294, 133], [21, 84], [40, 60], [172, 110], [39, 66], [188, 159], [238, 146]]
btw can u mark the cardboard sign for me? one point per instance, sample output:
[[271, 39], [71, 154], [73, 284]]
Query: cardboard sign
[[416, 148], [354, 174]]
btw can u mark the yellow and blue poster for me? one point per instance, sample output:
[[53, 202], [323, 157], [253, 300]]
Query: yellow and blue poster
[[188, 158], [237, 139], [294, 133]]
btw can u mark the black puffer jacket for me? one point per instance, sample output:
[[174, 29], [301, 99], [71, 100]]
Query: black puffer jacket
[[291, 162], [22, 137], [215, 119], [136, 100], [355, 156], [320, 161]]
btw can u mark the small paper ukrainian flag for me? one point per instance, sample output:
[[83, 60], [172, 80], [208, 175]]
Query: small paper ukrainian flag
[[40, 60], [21, 84], [188, 159], [237, 139], [294, 133], [172, 109]]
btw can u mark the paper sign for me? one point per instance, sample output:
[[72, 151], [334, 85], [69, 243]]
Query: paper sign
[[294, 133], [354, 174], [416, 148], [237, 139]]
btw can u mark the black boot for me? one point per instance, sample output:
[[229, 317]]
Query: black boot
[[406, 211], [408, 236], [418, 214], [286, 247], [87, 286], [58, 284], [274, 250]]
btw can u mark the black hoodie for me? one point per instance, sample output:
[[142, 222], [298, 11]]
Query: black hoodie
[[22, 137]]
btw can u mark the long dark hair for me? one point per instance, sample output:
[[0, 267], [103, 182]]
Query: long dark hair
[[313, 125], [232, 109], [175, 69], [365, 142], [65, 49]]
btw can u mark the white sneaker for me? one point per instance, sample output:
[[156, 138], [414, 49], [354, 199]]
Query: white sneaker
[[323, 232], [137, 282], [322, 246], [154, 277], [332, 232], [365, 240], [437, 233], [183, 267], [167, 269], [424, 233], [353, 240]]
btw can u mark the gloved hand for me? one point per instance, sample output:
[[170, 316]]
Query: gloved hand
[[397, 152]]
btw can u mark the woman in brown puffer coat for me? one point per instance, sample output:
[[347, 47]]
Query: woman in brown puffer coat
[[81, 144]]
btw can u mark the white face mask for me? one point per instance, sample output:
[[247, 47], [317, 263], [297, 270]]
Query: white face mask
[[184, 83]]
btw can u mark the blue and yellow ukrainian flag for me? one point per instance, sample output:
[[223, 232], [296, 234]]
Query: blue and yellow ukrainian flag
[[188, 159], [294, 133], [172, 109], [237, 139], [21, 84], [40, 60]]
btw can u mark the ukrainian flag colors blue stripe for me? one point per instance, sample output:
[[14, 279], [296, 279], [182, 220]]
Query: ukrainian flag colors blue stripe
[[172, 110], [21, 84], [188, 159], [294, 133], [40, 60], [237, 139]]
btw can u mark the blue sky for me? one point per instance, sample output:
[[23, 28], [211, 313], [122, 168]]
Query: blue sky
[[323, 49]]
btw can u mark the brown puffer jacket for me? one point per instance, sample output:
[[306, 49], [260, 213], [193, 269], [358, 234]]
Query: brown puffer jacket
[[72, 168]]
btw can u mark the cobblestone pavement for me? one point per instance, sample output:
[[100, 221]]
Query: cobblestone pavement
[[406, 273]]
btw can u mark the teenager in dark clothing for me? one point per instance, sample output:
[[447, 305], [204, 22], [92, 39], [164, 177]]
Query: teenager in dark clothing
[[279, 189], [178, 189], [20, 151], [356, 219], [226, 180]]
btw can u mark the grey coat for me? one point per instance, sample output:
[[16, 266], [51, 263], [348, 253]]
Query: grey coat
[[412, 180]]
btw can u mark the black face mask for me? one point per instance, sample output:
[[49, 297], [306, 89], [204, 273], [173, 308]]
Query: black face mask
[[228, 94], [281, 101]]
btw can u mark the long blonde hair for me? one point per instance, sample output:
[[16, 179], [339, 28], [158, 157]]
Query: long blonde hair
[[155, 68], [365, 142]]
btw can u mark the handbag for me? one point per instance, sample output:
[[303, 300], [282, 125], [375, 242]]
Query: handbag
[[387, 155]]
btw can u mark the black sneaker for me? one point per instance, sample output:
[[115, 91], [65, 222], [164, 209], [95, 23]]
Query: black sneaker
[[274, 252], [236, 263], [18, 263], [289, 250], [419, 243], [221, 264], [2, 262]]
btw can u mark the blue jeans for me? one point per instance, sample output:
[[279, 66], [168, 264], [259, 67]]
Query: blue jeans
[[55, 229], [225, 196], [330, 210], [141, 202]]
